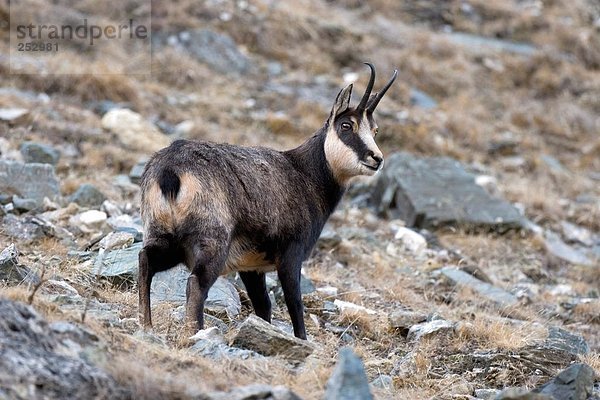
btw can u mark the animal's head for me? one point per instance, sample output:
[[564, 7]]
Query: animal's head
[[350, 147]]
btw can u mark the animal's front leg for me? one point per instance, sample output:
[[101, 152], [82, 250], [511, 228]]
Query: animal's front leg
[[289, 276], [257, 291]]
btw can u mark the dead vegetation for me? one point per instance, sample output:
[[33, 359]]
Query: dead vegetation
[[547, 101]]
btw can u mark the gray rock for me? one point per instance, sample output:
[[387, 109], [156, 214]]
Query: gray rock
[[306, 285], [480, 44], [136, 172], [421, 99], [557, 248], [101, 107], [10, 269], [217, 50], [560, 339], [513, 163], [273, 284], [432, 192], [24, 205], [554, 164], [557, 350], [165, 127], [426, 329], [329, 238], [254, 392], [596, 392], [505, 145], [383, 382], [116, 240], [149, 337], [87, 195], [126, 221], [520, 394], [223, 298], [274, 68], [13, 115], [349, 380], [134, 131], [138, 235], [490, 292], [315, 92], [258, 335], [122, 263], [39, 361], [574, 383], [9, 257], [577, 234], [170, 286], [76, 338], [402, 320], [486, 394], [39, 153], [595, 251], [213, 346], [23, 229], [125, 185], [30, 181]]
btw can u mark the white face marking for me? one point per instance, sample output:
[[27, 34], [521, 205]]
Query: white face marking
[[343, 160]]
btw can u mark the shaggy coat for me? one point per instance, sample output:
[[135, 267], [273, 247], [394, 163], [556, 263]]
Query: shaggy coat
[[220, 208]]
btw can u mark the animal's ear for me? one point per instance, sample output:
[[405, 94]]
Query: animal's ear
[[342, 103]]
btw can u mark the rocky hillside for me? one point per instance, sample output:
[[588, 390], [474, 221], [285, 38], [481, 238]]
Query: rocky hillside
[[468, 268]]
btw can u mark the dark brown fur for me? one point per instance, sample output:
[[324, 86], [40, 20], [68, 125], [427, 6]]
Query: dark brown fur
[[219, 208]]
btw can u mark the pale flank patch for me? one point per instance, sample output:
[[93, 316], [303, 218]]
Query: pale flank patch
[[194, 198], [242, 257]]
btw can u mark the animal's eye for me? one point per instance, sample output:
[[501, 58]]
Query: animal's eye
[[346, 126], [376, 132]]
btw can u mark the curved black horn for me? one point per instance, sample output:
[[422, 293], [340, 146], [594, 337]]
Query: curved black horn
[[373, 103], [363, 102]]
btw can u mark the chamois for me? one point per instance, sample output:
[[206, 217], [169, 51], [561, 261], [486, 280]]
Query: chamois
[[220, 208]]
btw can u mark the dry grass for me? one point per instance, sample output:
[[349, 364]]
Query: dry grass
[[548, 101], [593, 360], [500, 334]]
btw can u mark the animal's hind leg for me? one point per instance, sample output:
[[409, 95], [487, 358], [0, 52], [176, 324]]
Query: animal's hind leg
[[157, 255], [144, 281], [208, 263], [257, 291]]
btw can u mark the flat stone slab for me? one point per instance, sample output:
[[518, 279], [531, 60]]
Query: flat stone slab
[[490, 292], [433, 192], [266, 339], [573, 255], [431, 328], [29, 181], [560, 339], [480, 44], [122, 263], [170, 285]]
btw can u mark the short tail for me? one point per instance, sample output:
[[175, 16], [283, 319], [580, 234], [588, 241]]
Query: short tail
[[169, 183]]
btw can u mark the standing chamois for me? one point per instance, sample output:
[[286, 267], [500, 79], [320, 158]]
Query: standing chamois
[[220, 208]]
